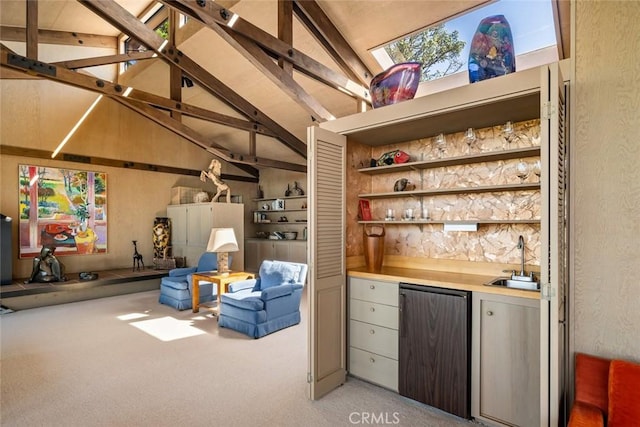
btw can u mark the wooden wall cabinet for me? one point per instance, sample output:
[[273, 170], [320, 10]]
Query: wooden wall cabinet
[[191, 226], [505, 360], [257, 250], [536, 93], [373, 331]]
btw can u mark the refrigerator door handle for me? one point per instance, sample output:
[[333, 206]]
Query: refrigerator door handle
[[403, 298]]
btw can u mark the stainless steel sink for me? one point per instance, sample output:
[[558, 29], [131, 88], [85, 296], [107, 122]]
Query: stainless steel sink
[[515, 284]]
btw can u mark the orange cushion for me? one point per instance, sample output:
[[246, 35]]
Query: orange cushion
[[592, 377], [585, 415], [624, 394]]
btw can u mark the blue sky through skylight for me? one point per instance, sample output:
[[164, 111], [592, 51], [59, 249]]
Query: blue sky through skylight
[[531, 22]]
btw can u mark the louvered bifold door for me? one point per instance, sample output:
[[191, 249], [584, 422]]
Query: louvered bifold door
[[327, 281], [555, 243]]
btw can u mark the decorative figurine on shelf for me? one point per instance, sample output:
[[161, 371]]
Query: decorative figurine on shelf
[[213, 173], [46, 267], [403, 184], [297, 191], [287, 192], [137, 257], [391, 157]]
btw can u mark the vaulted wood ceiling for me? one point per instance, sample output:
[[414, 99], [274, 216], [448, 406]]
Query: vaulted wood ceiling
[[258, 84]]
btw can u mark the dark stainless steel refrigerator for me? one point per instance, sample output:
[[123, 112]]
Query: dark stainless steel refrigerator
[[435, 343]]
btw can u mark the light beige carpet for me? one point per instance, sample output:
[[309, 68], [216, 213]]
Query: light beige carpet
[[129, 361]]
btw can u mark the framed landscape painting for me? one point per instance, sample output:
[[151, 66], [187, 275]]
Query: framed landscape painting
[[62, 208]]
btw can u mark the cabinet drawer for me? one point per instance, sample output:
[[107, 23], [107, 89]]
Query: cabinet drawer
[[373, 367], [371, 312], [376, 339], [374, 291]]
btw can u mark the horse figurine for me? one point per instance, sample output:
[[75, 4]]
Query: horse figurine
[[137, 257], [213, 173]]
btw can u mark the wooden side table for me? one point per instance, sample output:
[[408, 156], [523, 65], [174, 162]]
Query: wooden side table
[[222, 280]]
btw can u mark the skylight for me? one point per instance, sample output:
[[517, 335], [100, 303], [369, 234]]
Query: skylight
[[532, 26]]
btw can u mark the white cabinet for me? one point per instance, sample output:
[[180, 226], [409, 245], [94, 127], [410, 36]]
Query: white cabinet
[[191, 226], [373, 331], [505, 360], [258, 250]]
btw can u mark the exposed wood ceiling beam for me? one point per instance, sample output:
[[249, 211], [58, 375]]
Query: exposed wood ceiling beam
[[32, 29], [175, 73], [11, 74], [285, 31], [241, 161], [274, 46], [62, 75], [116, 92], [321, 27], [120, 18], [104, 60], [17, 34], [254, 54], [102, 161]]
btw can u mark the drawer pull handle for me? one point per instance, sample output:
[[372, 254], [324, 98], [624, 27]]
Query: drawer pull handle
[[489, 313], [372, 332], [372, 360], [372, 309], [372, 286]]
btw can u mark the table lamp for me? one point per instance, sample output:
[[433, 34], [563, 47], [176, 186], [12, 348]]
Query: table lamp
[[222, 241]]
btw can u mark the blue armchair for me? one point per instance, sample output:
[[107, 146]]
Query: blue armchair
[[257, 307], [175, 289]]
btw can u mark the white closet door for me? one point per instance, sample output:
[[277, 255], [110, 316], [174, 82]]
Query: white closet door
[[327, 274]]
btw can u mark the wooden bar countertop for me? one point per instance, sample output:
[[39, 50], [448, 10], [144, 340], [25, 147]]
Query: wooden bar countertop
[[441, 279]]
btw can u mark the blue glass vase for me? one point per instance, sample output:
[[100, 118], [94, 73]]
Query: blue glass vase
[[491, 53]]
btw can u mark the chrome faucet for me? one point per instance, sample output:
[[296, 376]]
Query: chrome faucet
[[521, 247], [522, 276]]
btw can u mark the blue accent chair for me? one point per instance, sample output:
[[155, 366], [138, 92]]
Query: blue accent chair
[[257, 307], [175, 289]]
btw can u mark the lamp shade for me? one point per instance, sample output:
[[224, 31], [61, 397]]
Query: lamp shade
[[222, 240]]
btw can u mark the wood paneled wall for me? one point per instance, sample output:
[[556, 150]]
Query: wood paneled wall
[[606, 179], [38, 114]]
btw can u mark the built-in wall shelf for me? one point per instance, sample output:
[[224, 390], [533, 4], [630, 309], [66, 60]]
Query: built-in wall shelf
[[270, 199], [461, 222], [282, 223], [459, 190], [490, 156], [278, 211]]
